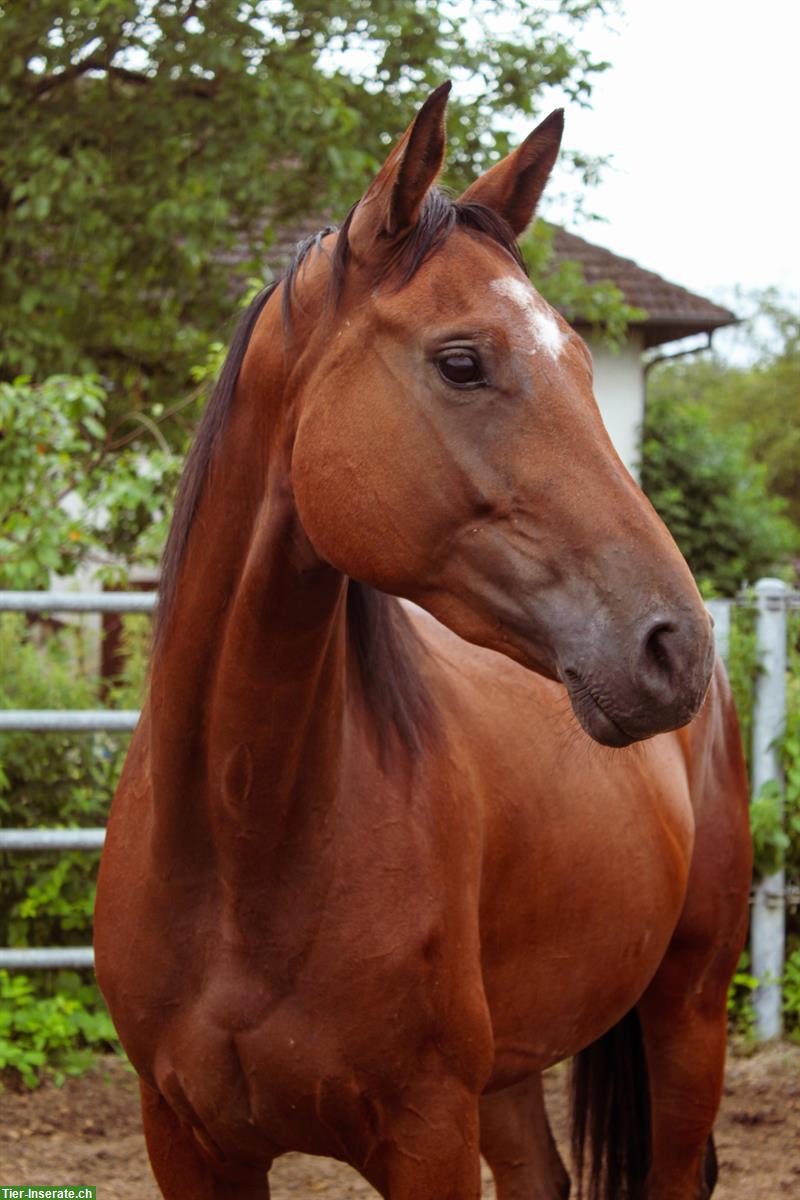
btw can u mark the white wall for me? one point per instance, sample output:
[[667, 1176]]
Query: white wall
[[619, 388]]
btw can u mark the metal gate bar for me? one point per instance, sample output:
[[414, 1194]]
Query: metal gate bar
[[51, 839], [47, 602], [62, 721], [57, 720]]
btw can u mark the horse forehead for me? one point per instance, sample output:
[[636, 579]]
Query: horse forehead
[[535, 321]]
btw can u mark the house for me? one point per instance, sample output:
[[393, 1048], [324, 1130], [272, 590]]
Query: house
[[672, 313], [619, 374]]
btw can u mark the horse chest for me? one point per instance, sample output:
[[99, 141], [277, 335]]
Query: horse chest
[[588, 902], [291, 1022]]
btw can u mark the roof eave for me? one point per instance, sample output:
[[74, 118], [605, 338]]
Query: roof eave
[[659, 331]]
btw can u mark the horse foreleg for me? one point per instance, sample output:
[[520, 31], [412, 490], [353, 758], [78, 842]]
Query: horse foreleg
[[684, 1027], [518, 1145], [182, 1171], [430, 1148]]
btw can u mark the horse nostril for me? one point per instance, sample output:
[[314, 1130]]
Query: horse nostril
[[659, 647]]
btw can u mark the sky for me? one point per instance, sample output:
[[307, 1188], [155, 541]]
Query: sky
[[701, 113]]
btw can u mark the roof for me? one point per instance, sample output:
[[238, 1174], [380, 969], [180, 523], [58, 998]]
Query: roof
[[672, 311]]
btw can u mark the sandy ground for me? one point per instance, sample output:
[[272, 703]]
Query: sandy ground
[[88, 1132]]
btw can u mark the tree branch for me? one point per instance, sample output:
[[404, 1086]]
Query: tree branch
[[48, 82], [203, 88]]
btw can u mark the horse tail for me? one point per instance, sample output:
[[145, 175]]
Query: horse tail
[[611, 1112]]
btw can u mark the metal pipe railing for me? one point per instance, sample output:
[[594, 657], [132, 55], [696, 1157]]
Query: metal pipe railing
[[62, 721], [58, 720], [48, 602], [12, 840], [48, 958]]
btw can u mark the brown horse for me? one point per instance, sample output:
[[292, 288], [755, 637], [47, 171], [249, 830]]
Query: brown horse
[[371, 869]]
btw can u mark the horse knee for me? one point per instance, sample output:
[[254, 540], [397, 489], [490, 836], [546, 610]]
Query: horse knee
[[180, 1167]]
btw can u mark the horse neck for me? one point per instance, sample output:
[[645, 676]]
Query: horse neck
[[248, 687]]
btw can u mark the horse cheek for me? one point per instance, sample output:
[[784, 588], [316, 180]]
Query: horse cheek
[[359, 513]]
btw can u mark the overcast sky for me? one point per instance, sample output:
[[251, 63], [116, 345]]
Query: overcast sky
[[701, 112]]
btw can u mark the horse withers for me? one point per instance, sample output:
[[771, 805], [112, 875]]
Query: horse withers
[[371, 866]]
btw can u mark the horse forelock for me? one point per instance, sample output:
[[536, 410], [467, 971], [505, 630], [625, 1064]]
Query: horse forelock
[[398, 259]]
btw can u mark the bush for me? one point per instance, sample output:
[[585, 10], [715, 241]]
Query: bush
[[790, 753], [59, 1033], [741, 1015], [791, 994], [774, 813], [712, 495]]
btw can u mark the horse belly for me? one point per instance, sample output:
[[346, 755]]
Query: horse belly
[[580, 903]]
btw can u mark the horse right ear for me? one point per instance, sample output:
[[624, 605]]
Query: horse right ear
[[513, 187], [391, 204]]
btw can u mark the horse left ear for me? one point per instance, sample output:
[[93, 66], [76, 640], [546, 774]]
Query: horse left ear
[[513, 187], [391, 204]]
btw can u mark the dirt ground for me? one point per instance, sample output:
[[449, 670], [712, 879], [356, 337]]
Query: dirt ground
[[88, 1132]]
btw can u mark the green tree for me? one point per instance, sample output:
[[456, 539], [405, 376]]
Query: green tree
[[142, 140], [600, 304], [761, 400], [764, 399], [71, 492], [709, 490]]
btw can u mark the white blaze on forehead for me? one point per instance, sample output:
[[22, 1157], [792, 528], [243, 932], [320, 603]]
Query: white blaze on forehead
[[541, 327]]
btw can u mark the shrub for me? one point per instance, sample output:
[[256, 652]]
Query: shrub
[[774, 813], [791, 994], [712, 495], [741, 1015], [59, 1033]]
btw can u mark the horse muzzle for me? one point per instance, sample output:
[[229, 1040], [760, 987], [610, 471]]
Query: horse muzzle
[[654, 684]]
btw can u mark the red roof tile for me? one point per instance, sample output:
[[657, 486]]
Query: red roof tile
[[672, 311]]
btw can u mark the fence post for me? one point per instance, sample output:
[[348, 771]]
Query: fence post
[[721, 612], [768, 918]]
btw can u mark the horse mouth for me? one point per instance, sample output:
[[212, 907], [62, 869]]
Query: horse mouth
[[593, 716]]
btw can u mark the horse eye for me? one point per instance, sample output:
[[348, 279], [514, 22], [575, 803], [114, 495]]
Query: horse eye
[[461, 368]]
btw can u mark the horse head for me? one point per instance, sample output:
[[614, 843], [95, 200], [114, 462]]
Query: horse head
[[448, 448]]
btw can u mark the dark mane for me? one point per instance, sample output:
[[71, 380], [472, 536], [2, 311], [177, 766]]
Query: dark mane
[[198, 461], [387, 652], [386, 647]]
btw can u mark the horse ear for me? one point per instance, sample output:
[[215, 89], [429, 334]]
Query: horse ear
[[392, 202], [513, 187]]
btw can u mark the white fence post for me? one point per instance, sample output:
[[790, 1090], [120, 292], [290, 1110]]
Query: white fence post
[[721, 612], [768, 917]]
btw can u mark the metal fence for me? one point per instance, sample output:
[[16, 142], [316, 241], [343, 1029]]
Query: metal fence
[[102, 720], [772, 600]]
